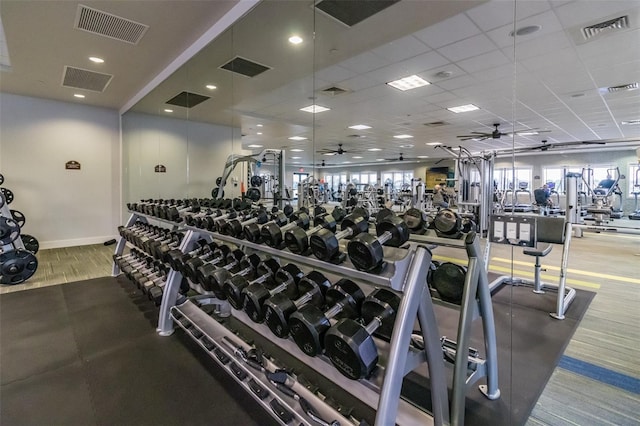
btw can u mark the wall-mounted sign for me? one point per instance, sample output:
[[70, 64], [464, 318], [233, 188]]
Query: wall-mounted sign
[[72, 165], [159, 168]]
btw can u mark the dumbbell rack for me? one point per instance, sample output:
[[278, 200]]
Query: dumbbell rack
[[382, 392]]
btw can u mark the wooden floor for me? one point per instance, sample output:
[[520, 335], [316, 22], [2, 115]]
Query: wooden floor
[[608, 336]]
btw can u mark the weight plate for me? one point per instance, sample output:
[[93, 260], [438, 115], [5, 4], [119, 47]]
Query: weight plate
[[447, 222], [448, 280], [17, 266], [30, 243], [18, 216], [255, 181], [414, 219], [7, 194], [218, 180], [253, 194], [1, 179], [9, 230]]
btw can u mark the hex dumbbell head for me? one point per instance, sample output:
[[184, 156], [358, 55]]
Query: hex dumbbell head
[[233, 287], [254, 296], [279, 308], [351, 346], [309, 324]]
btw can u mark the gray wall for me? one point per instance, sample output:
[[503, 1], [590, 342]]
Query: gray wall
[[62, 207]]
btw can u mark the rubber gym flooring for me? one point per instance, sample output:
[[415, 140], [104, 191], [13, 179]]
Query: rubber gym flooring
[[87, 353]]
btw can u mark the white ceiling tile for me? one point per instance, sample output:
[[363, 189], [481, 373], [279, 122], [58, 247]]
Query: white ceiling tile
[[548, 22], [401, 49], [483, 62], [457, 83], [448, 31], [468, 48], [564, 59], [581, 13], [358, 83], [498, 13], [334, 74], [426, 61], [539, 45], [364, 62], [503, 73]]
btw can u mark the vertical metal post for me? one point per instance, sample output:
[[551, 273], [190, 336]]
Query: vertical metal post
[[170, 292], [560, 303], [281, 177], [415, 301]]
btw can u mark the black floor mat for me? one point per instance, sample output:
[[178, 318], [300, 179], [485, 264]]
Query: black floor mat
[[87, 353]]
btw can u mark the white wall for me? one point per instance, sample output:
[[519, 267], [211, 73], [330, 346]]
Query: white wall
[[62, 207]]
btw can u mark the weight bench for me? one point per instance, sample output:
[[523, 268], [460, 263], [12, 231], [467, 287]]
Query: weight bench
[[549, 231]]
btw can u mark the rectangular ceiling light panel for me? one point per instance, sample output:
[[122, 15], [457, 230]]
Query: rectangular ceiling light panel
[[85, 79], [108, 25], [244, 67], [353, 12], [187, 99]]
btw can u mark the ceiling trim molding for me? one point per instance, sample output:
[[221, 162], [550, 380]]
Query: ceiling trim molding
[[236, 12]]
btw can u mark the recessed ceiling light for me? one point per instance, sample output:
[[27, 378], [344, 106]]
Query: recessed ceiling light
[[408, 83], [259, 133], [532, 133], [630, 122], [379, 159], [78, 95], [297, 138], [360, 127], [529, 29], [259, 125], [357, 157], [295, 158], [296, 150], [211, 87], [374, 149], [330, 153], [295, 39], [96, 59], [408, 145], [423, 156], [314, 109], [463, 108], [254, 146], [296, 162], [402, 136], [346, 162], [456, 148], [168, 110], [434, 143]]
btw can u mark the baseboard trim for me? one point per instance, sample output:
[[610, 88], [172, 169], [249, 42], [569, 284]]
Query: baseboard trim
[[76, 242]]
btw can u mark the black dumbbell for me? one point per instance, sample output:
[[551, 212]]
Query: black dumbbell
[[176, 258], [297, 239], [309, 324], [285, 282], [252, 231], [235, 227], [243, 265], [325, 244], [415, 220], [279, 308], [271, 234], [158, 279], [213, 261], [158, 249], [365, 250], [233, 286], [350, 345], [188, 266]]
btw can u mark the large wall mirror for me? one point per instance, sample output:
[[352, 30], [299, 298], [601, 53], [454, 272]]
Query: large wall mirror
[[490, 99]]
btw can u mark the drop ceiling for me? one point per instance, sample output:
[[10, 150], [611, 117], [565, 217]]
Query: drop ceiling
[[465, 49]]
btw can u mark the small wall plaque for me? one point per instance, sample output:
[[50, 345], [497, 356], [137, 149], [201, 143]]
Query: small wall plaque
[[159, 168], [72, 165]]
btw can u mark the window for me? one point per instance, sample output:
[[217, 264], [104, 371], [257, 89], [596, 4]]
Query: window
[[397, 179], [364, 178], [634, 180], [557, 175], [297, 178]]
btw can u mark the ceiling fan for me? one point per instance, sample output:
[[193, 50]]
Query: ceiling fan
[[401, 157], [338, 151], [545, 146], [496, 134]]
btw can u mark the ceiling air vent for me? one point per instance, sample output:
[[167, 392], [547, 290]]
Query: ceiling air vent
[[245, 67], [615, 24], [622, 88], [353, 12], [436, 124], [630, 122], [85, 79], [187, 99], [334, 91], [107, 25]]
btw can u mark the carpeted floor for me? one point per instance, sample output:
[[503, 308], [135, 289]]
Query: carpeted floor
[[87, 353]]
